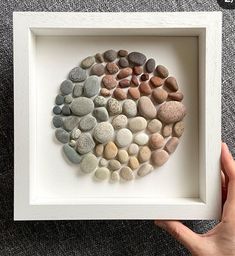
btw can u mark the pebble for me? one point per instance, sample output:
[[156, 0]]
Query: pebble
[[134, 93], [159, 95], [129, 108], [91, 86], [68, 99], [137, 124], [103, 162], [171, 112], [122, 53], [119, 122], [99, 149], [115, 176], [159, 157], [57, 121], [156, 141], [167, 130], [156, 81], [114, 107], [123, 156], [178, 129], [144, 154], [88, 163], [133, 163], [109, 82], [66, 111], [125, 72], [61, 135], [154, 126], [112, 68], [114, 165], [99, 57], [126, 173], [71, 154], [146, 108], [77, 90], [150, 65], [124, 83], [138, 70], [103, 132], [77, 74], [134, 81], [87, 62], [110, 150], [82, 106], [75, 133], [56, 110], [59, 100], [144, 77], [144, 170], [87, 123], [110, 55], [141, 139], [133, 149], [66, 87], [120, 94], [105, 92], [123, 137], [70, 123], [99, 101], [85, 143], [101, 114], [72, 143], [137, 58], [102, 173], [178, 96], [162, 71], [171, 145], [171, 84], [123, 62], [145, 88], [97, 69]]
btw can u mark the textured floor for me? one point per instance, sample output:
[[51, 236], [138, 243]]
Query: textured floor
[[94, 237]]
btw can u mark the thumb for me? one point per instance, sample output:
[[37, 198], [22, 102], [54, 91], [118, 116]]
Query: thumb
[[183, 234]]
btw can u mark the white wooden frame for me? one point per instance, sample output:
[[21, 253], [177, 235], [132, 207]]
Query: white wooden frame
[[205, 25]]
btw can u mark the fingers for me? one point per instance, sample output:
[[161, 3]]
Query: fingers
[[180, 232], [227, 162]]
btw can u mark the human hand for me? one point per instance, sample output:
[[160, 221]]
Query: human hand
[[221, 239]]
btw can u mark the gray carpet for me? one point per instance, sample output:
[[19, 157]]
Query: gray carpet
[[94, 237]]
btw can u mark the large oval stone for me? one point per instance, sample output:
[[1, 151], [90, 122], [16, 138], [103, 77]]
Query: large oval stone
[[137, 58], [91, 86], [82, 106], [146, 107]]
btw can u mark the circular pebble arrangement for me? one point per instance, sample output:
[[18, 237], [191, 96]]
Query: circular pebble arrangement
[[119, 115]]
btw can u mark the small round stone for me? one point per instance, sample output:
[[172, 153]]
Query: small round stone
[[99, 101], [91, 86], [138, 70], [162, 71], [99, 149], [103, 162], [114, 165], [156, 141], [110, 150], [159, 95], [87, 62], [72, 143], [105, 92], [119, 122], [99, 57], [171, 145], [178, 96], [156, 81], [82, 106], [87, 123], [146, 108], [71, 154], [178, 129], [109, 82], [171, 84], [103, 132], [57, 121], [145, 88], [137, 58], [122, 156], [59, 100], [124, 83], [61, 135], [159, 157], [102, 173], [144, 154], [134, 93], [150, 65], [123, 62], [101, 114], [97, 69], [144, 170], [120, 94], [88, 163], [126, 173], [110, 55], [141, 139], [144, 77], [77, 74], [112, 68], [122, 53], [77, 90], [167, 130], [66, 111], [70, 123], [56, 110], [129, 108], [114, 107], [66, 87], [68, 99], [125, 72], [137, 124], [133, 149], [133, 163], [123, 137], [115, 176], [85, 143], [154, 126], [134, 81], [75, 133]]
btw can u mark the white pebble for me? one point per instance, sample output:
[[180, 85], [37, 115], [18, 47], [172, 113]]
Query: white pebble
[[141, 139], [123, 137], [133, 149]]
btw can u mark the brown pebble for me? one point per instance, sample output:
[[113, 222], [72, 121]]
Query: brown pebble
[[156, 81], [171, 84], [122, 53], [123, 62], [159, 157], [120, 94], [145, 88], [178, 129], [144, 77], [109, 82], [99, 149], [134, 93], [97, 69], [137, 70], [162, 71], [123, 73], [133, 163], [126, 173], [110, 150], [159, 95], [156, 141], [176, 96], [144, 154], [105, 92], [99, 57], [112, 68], [167, 130], [134, 81], [146, 108], [171, 145], [124, 83]]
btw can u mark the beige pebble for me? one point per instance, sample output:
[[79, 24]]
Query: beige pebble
[[102, 173], [159, 95], [126, 173], [110, 150], [114, 165], [133, 149], [146, 108], [171, 145], [178, 129], [144, 154], [156, 141], [99, 149], [144, 170], [115, 176], [167, 130], [154, 126], [122, 156], [119, 122], [159, 157], [133, 163], [141, 139], [137, 124]]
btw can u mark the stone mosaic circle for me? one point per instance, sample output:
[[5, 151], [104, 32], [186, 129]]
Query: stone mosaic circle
[[119, 115]]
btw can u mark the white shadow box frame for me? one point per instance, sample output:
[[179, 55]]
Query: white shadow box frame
[[47, 46]]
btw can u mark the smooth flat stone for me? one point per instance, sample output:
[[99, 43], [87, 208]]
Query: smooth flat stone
[[85, 143], [99, 149], [91, 86], [159, 157], [59, 100], [137, 58], [162, 71], [146, 108], [114, 165], [137, 124], [114, 106], [71, 154], [61, 135], [178, 129], [159, 95], [129, 108], [89, 163], [122, 53], [110, 55], [171, 145], [103, 132], [87, 62], [133, 163], [77, 90], [101, 114], [97, 69], [110, 150], [123, 62], [112, 68], [144, 170], [123, 137], [66, 87], [82, 106], [66, 111], [154, 126], [57, 121], [102, 173], [99, 57], [123, 156], [77, 74], [144, 154], [141, 139], [87, 123], [126, 173], [109, 82], [119, 122], [99, 101], [133, 149], [156, 141], [171, 84], [70, 123], [167, 130], [56, 110], [150, 65]]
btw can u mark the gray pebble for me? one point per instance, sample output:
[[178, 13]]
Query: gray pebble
[[115, 176], [97, 69], [87, 62], [88, 163], [77, 74], [114, 165], [66, 110], [85, 143], [119, 122], [75, 133], [137, 58], [59, 100], [150, 65], [99, 101], [123, 137], [99, 57], [114, 106], [72, 143], [126, 173], [87, 123], [78, 90], [57, 121], [62, 136], [103, 132], [70, 123], [91, 86], [68, 99], [66, 87], [123, 62], [71, 154], [129, 108], [110, 55], [101, 114], [102, 173], [144, 170], [82, 106], [103, 162], [56, 110]]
